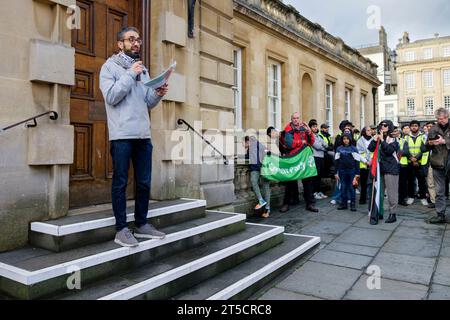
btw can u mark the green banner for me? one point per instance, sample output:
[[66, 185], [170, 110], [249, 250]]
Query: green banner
[[297, 167]]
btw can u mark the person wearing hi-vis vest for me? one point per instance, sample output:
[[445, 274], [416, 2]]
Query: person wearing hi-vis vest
[[415, 164], [365, 161], [404, 170]]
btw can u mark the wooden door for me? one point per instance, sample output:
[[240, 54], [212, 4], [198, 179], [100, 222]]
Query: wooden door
[[95, 41]]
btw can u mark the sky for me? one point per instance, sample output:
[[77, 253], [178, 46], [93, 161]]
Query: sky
[[348, 19]]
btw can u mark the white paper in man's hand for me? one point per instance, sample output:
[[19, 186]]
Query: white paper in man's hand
[[162, 79]]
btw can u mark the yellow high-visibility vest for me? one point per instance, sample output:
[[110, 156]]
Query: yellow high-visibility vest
[[327, 140], [403, 160], [425, 156], [363, 165]]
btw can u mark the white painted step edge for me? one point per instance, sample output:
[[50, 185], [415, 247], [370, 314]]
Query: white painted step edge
[[171, 275], [32, 277], [59, 231], [250, 280]]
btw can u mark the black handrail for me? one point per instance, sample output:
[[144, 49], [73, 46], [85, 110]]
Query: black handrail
[[54, 117], [181, 122]]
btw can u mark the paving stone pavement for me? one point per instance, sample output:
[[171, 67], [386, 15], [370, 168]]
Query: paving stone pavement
[[411, 256]]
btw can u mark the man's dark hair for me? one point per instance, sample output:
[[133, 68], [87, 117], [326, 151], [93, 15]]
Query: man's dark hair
[[404, 126], [356, 131], [414, 122], [121, 33], [247, 138], [269, 131], [312, 122], [429, 122]]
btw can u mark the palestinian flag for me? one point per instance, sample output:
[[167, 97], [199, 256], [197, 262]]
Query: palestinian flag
[[376, 208], [290, 168]]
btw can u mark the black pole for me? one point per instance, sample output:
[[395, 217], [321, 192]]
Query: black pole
[[374, 93]]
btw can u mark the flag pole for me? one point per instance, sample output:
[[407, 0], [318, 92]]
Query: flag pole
[[373, 184]]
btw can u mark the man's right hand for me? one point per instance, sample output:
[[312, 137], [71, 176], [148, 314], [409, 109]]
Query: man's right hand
[[137, 68]]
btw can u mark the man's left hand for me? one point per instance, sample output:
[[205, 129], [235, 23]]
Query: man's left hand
[[162, 91]]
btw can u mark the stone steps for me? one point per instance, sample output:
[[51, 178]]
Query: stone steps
[[32, 273], [99, 226], [242, 281], [205, 255], [166, 277]]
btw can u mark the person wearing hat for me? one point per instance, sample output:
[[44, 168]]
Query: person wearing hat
[[347, 167], [320, 147], [416, 162], [389, 167]]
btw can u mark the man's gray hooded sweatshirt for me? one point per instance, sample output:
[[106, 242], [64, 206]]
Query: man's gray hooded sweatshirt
[[127, 100]]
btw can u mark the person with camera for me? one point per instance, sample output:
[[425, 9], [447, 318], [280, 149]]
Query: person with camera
[[389, 164], [439, 144], [297, 135]]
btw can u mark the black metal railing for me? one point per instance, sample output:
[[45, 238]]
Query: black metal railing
[[53, 116], [181, 122]]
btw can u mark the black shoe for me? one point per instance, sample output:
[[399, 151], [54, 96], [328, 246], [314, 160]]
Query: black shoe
[[403, 204], [392, 218], [353, 207], [431, 206], [373, 221], [440, 219], [381, 218], [362, 202], [342, 207], [284, 209], [312, 209]]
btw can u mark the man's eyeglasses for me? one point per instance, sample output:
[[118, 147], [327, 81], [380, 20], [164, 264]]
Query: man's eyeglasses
[[133, 40]]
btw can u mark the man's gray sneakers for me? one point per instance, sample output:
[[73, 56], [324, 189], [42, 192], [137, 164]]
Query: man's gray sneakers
[[125, 238], [148, 232]]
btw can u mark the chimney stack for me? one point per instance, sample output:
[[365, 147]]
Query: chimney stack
[[405, 37]]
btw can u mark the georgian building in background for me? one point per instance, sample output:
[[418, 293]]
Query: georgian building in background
[[423, 77], [248, 64]]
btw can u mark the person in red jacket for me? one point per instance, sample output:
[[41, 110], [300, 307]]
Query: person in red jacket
[[297, 135]]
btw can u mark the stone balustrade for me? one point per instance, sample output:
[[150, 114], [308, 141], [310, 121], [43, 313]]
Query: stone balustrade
[[293, 21]]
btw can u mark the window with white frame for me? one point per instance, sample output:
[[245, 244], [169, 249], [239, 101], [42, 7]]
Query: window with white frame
[[428, 53], [410, 79], [329, 105], [389, 110], [446, 77], [411, 106], [446, 51], [429, 106], [237, 87], [348, 104], [428, 79], [447, 102], [274, 108], [363, 110], [410, 56]]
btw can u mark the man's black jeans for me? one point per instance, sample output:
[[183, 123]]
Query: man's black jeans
[[139, 151]]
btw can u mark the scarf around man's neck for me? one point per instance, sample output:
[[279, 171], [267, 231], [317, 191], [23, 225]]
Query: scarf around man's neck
[[123, 60]]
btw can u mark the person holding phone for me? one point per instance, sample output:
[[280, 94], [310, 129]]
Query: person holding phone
[[439, 145]]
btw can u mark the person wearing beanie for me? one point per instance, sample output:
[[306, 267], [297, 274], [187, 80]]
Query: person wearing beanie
[[347, 166], [389, 166]]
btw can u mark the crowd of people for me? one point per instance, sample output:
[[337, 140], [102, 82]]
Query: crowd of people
[[412, 162]]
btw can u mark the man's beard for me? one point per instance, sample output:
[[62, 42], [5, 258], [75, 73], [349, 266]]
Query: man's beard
[[132, 54]]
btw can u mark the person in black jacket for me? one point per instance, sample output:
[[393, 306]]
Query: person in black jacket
[[389, 165]]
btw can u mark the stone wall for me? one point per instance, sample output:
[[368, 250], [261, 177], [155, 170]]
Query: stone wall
[[34, 170]]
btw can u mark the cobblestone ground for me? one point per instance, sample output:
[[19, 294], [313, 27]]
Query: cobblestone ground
[[412, 256]]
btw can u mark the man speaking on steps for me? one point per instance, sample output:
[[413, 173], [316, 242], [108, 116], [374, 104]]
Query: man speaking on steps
[[128, 102]]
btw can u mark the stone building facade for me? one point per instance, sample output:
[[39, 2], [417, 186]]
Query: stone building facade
[[423, 76], [51, 62], [385, 58]]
